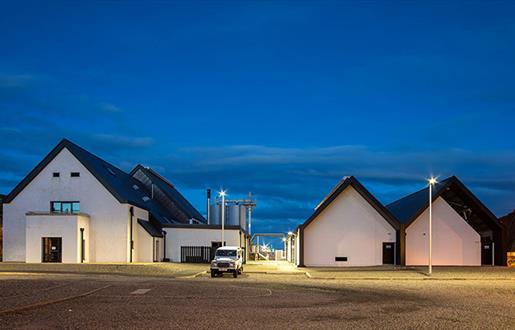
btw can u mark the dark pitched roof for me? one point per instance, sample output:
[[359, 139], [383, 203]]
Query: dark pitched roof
[[150, 228], [339, 188], [170, 198], [117, 182], [405, 208], [408, 208]]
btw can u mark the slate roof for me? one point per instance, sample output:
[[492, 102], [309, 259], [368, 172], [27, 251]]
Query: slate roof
[[339, 188], [405, 208], [408, 208], [171, 199], [119, 183]]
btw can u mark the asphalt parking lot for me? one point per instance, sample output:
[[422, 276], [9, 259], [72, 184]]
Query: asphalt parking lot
[[253, 300]]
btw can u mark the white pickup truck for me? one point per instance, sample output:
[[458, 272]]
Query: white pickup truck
[[228, 259]]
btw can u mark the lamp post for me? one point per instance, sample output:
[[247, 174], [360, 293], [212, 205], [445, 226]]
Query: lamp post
[[291, 248], [432, 181], [284, 250], [222, 194]]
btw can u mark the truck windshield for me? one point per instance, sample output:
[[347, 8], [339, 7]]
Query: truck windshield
[[226, 253]]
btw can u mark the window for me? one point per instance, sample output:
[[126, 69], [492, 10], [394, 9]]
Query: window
[[55, 174], [65, 207], [75, 174], [226, 253]]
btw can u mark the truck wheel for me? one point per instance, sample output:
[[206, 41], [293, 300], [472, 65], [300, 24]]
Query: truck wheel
[[235, 274], [213, 273]]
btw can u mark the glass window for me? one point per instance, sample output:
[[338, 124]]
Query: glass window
[[75, 174], [226, 253], [56, 206], [65, 207], [55, 174], [75, 207]]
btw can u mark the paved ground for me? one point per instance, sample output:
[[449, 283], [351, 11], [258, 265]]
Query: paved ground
[[253, 300], [412, 273], [165, 269], [178, 270]]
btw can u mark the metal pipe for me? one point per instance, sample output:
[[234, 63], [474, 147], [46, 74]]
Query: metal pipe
[[430, 261], [493, 253], [250, 213], [208, 206], [131, 242], [223, 218]]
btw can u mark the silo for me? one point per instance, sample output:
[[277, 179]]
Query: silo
[[243, 217], [215, 214], [233, 215]]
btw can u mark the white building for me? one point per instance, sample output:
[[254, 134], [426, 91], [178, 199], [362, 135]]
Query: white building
[[348, 228], [75, 207], [185, 241], [465, 232]]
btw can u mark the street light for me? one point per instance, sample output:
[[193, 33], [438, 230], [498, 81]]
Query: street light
[[284, 248], [222, 194], [432, 181]]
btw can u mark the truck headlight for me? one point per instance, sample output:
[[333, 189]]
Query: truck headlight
[[231, 264], [213, 264]]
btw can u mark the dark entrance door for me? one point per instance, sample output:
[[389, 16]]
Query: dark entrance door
[[486, 252], [388, 253], [51, 249]]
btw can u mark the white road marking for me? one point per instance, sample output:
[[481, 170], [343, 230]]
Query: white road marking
[[140, 291]]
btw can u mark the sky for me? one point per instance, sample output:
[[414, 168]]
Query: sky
[[281, 98]]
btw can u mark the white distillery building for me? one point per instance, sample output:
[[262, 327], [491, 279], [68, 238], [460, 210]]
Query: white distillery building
[[350, 227], [464, 231], [75, 207]]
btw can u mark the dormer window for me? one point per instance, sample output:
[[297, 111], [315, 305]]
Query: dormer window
[[56, 174], [75, 174]]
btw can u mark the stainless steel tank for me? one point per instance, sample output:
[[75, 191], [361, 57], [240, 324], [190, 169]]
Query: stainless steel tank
[[233, 215], [215, 214]]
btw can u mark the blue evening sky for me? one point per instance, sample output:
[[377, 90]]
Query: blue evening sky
[[275, 97]]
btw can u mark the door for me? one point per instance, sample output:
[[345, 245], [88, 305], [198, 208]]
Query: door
[[156, 252], [486, 252], [82, 246], [51, 249], [388, 253]]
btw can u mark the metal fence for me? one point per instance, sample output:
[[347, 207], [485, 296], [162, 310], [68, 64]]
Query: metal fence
[[197, 254], [201, 254]]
